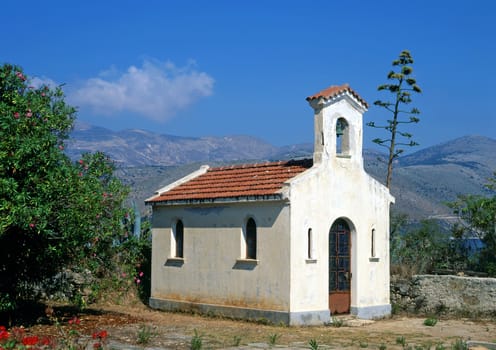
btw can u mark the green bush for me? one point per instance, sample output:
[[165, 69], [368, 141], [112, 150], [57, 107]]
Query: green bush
[[430, 322], [314, 345], [459, 344], [477, 215], [196, 341], [145, 334], [425, 247], [273, 338], [56, 214]]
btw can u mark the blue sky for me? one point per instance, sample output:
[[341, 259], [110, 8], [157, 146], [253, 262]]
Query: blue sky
[[203, 68]]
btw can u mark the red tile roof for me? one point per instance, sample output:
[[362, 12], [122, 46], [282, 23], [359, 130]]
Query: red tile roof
[[236, 181], [333, 91]]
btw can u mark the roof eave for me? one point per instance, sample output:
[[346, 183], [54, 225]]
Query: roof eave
[[203, 169], [276, 197], [335, 93]]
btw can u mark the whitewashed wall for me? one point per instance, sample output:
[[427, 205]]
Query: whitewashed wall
[[213, 271], [338, 187]]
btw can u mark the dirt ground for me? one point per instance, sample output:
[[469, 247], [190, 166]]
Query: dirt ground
[[127, 325]]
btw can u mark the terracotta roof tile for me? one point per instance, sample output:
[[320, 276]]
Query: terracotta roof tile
[[236, 181], [333, 91]]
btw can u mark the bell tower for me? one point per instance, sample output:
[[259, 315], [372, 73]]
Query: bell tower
[[338, 125]]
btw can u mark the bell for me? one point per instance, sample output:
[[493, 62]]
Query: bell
[[339, 128]]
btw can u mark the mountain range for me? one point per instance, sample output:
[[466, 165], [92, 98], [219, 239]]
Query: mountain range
[[136, 147], [423, 181]]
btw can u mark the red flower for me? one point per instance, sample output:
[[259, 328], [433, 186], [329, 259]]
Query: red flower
[[20, 76], [74, 320], [29, 114], [33, 340], [2, 328], [31, 225], [100, 335], [16, 115], [4, 334]]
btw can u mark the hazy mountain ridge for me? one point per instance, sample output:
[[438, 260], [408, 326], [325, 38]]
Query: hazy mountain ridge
[[425, 180], [422, 181], [134, 147], [470, 151]]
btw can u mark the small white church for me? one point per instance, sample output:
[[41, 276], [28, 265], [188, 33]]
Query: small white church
[[291, 242]]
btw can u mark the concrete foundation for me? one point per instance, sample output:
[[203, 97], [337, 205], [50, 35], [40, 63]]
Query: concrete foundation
[[257, 315]]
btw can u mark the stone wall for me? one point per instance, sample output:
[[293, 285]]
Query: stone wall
[[65, 286], [438, 294]]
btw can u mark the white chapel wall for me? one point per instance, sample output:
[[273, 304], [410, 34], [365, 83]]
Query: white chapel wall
[[338, 187], [318, 199], [212, 271]]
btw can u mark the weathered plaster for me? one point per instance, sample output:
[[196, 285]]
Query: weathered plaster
[[213, 271]]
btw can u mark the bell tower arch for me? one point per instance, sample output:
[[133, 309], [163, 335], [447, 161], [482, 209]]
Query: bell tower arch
[[338, 124]]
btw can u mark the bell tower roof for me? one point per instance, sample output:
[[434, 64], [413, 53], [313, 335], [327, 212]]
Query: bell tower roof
[[335, 91]]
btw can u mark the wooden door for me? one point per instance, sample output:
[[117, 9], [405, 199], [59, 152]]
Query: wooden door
[[339, 268]]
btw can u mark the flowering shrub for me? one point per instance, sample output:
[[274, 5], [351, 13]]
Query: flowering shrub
[[54, 213], [18, 339]]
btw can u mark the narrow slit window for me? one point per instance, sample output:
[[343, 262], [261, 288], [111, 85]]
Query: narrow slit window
[[179, 240], [251, 239], [310, 244], [372, 243]]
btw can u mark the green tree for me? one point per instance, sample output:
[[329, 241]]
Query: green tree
[[53, 213], [401, 89], [422, 248], [477, 215]]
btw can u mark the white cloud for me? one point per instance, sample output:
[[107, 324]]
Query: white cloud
[[156, 90], [38, 82]]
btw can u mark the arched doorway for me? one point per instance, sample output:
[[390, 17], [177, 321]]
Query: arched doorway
[[339, 267]]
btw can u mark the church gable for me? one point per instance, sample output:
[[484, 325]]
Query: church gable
[[235, 182]]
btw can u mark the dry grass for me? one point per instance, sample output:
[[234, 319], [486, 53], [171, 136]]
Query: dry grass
[[175, 330]]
